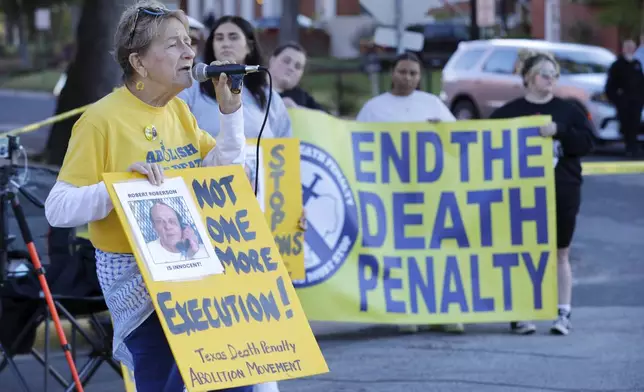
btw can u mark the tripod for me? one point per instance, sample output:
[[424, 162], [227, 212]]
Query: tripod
[[9, 197]]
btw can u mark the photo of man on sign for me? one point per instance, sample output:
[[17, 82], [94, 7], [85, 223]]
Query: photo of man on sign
[[170, 236], [174, 236]]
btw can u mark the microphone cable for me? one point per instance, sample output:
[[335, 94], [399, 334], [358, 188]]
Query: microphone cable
[[261, 130], [199, 73]]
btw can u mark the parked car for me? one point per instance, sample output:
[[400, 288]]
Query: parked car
[[441, 41], [481, 76], [442, 37]]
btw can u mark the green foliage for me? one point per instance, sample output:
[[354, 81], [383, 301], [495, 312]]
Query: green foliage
[[626, 15], [582, 32]]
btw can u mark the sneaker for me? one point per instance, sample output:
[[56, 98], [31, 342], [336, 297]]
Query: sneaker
[[562, 325], [522, 327]]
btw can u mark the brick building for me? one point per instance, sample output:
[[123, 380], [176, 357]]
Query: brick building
[[338, 20], [578, 24], [578, 21], [257, 9]]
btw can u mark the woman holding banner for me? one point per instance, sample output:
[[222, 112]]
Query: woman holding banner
[[573, 138], [121, 132], [406, 103], [233, 39]]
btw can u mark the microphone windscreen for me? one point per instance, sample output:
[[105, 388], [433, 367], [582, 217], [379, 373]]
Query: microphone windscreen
[[199, 72]]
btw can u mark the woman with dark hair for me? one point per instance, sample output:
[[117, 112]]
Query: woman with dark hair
[[572, 138], [233, 39], [405, 102], [286, 65]]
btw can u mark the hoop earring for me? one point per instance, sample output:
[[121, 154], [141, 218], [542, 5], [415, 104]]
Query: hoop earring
[[139, 85]]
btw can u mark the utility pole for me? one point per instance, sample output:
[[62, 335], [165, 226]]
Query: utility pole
[[642, 22], [475, 32], [400, 29], [289, 28]]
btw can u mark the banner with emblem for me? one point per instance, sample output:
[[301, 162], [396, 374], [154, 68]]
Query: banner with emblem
[[427, 223]]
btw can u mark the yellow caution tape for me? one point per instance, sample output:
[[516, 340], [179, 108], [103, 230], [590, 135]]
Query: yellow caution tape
[[589, 168], [595, 168], [50, 120]]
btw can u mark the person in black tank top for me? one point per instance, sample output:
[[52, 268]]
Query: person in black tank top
[[572, 139]]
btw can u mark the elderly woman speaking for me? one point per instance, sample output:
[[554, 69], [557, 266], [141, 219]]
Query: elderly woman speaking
[[122, 132]]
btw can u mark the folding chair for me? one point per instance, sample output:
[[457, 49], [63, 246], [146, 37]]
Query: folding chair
[[15, 312], [76, 294]]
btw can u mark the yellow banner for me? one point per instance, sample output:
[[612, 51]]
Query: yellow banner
[[427, 223], [242, 327], [280, 200]]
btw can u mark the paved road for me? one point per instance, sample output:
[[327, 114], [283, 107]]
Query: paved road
[[22, 108], [604, 352]]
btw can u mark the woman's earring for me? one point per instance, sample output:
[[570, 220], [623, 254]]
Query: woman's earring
[[139, 85]]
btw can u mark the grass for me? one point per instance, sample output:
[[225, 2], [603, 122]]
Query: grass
[[39, 81], [343, 93], [349, 91]]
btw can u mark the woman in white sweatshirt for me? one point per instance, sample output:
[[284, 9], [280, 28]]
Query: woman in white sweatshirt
[[406, 103]]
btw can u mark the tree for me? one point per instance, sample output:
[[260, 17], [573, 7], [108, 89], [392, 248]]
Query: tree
[[20, 14], [91, 75], [626, 15]]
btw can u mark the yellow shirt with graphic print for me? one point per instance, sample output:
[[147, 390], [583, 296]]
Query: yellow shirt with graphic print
[[111, 135]]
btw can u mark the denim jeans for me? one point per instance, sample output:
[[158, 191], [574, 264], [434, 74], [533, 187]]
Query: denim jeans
[[155, 369]]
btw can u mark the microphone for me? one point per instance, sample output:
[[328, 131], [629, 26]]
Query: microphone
[[202, 72]]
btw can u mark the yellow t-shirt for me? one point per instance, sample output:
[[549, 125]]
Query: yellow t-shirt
[[111, 135]]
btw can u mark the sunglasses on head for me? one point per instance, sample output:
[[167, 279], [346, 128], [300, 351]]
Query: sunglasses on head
[[143, 10], [548, 74]]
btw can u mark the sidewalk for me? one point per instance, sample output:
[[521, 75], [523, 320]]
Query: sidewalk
[[602, 353]]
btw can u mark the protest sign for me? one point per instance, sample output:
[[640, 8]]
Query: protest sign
[[244, 326], [254, 168], [167, 229], [280, 196], [427, 223]]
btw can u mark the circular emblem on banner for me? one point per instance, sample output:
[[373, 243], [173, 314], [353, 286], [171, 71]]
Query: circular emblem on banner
[[150, 132], [331, 213]]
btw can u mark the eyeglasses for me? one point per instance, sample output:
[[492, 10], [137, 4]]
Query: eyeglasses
[[549, 75], [149, 11]]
